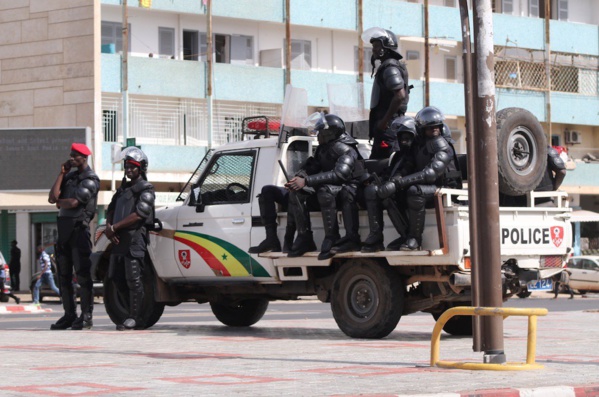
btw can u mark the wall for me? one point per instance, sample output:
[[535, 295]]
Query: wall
[[47, 56]]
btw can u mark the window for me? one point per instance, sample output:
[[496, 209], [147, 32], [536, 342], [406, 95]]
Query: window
[[110, 123], [562, 10], [191, 45], [412, 55], [507, 6], [229, 179], [234, 49], [301, 54], [533, 8], [166, 42], [242, 50], [112, 33], [367, 56], [451, 68], [449, 3]]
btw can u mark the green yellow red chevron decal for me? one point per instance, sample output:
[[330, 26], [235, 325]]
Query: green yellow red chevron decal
[[224, 258]]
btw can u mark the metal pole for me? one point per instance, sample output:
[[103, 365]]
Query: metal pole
[[427, 68], [487, 187], [360, 43], [472, 201], [548, 67], [209, 71], [125, 74], [288, 43]]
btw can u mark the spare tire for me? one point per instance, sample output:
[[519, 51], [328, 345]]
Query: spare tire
[[521, 151]]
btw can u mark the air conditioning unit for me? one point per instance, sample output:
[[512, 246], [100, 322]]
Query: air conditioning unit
[[573, 137]]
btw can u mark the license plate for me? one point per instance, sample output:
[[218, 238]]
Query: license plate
[[540, 285]]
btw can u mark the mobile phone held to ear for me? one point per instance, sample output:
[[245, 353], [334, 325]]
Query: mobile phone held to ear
[[67, 165]]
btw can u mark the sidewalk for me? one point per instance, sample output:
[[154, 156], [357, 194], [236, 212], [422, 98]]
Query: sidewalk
[[26, 306]]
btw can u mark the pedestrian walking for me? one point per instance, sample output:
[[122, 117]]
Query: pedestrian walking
[[3, 279], [562, 280], [14, 266], [45, 277], [75, 194]]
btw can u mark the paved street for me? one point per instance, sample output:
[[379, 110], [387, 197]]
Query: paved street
[[296, 350]]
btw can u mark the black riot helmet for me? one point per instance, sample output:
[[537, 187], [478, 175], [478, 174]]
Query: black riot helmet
[[405, 128], [135, 156], [327, 127], [387, 38], [447, 134], [429, 116]]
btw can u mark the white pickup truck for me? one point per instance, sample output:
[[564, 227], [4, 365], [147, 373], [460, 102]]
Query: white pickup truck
[[199, 252]]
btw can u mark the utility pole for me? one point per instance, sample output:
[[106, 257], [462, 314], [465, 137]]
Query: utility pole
[[475, 256], [287, 42], [360, 43], [125, 74], [427, 67], [487, 186], [548, 67], [209, 52]]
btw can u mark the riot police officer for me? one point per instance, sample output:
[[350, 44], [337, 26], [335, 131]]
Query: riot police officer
[[435, 165], [128, 217], [331, 174], [75, 193], [390, 91], [400, 164]]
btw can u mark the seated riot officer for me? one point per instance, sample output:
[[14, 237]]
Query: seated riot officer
[[435, 165], [269, 196], [400, 164], [326, 174]]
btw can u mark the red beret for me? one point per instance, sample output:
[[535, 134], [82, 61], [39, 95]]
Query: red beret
[[81, 148]]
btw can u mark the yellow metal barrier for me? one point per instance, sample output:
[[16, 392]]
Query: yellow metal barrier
[[489, 311]]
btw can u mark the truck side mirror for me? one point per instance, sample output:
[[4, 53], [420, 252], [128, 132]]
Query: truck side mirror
[[196, 199]]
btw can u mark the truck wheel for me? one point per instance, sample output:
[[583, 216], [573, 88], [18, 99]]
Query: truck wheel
[[240, 314], [457, 325], [367, 299], [521, 151], [116, 300]]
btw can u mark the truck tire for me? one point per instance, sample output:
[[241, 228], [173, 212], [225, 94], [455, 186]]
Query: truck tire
[[367, 299], [457, 325], [521, 151], [116, 300], [240, 314]]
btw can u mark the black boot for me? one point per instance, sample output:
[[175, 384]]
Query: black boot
[[302, 244], [128, 324], [347, 244], [416, 213], [351, 241], [411, 244], [374, 241], [271, 243], [331, 232], [289, 236], [83, 321], [64, 322], [395, 245]]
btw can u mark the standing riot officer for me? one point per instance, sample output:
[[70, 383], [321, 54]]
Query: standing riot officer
[[129, 215], [390, 91], [436, 166], [330, 172], [75, 193], [400, 164]]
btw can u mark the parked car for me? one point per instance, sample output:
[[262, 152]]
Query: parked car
[[585, 273]]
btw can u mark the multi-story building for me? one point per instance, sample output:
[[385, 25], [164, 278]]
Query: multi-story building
[[61, 66]]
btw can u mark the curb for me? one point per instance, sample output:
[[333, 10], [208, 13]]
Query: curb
[[549, 391], [23, 309]]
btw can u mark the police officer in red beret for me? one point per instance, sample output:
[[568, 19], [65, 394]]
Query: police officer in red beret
[[75, 193]]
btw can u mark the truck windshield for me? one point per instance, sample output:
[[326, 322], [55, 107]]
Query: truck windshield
[[195, 176]]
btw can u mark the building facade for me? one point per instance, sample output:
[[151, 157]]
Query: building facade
[[61, 66]]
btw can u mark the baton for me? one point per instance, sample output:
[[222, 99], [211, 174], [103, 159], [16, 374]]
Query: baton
[[284, 170]]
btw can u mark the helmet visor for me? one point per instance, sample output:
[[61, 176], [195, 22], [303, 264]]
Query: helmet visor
[[374, 33], [315, 123]]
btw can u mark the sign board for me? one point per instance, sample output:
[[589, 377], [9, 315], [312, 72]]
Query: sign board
[[31, 158]]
